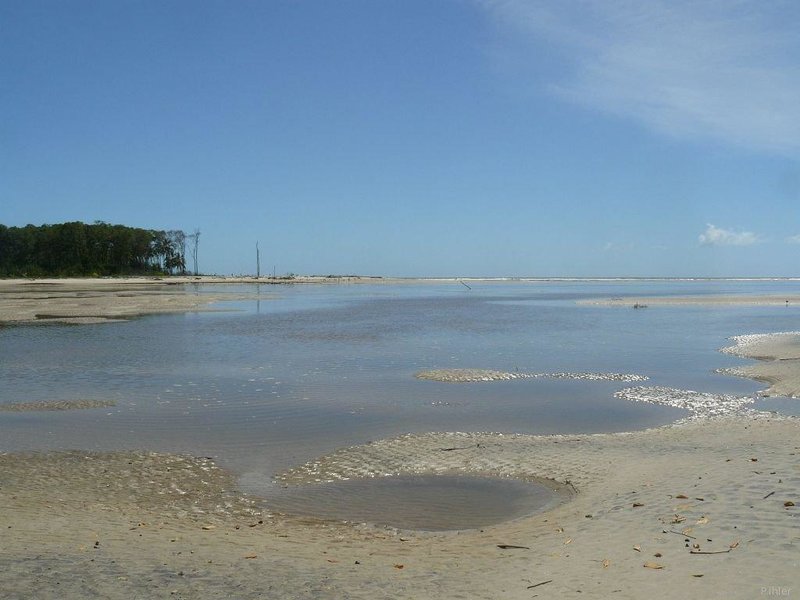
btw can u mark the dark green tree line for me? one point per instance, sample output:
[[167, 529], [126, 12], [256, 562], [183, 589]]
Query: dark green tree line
[[97, 249]]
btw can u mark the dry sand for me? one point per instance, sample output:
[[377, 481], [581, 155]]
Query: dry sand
[[706, 509]]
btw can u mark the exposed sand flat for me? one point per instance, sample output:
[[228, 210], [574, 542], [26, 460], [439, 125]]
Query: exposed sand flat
[[80, 301], [783, 378], [710, 300], [779, 361], [123, 525], [481, 375], [56, 405], [784, 345], [87, 300], [701, 405]]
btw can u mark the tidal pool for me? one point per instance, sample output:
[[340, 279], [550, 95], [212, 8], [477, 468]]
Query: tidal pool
[[420, 502]]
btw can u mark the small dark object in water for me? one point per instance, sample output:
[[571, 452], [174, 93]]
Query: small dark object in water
[[637, 305]]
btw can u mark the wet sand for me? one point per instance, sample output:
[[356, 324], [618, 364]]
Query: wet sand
[[56, 405], [778, 363], [483, 375], [707, 508], [710, 300], [126, 525], [81, 301]]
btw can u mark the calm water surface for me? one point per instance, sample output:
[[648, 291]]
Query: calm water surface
[[302, 370]]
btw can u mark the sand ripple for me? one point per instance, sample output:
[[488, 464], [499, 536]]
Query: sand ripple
[[479, 375], [56, 405], [701, 405]]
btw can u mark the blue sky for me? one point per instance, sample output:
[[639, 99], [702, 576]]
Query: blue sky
[[405, 137]]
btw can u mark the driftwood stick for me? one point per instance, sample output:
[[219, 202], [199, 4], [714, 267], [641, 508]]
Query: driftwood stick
[[538, 584], [709, 551], [768, 495], [682, 534], [512, 547]]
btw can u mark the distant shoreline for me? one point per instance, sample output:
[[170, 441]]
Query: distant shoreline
[[96, 300], [354, 278]]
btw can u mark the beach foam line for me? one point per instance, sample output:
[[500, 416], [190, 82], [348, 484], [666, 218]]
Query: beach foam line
[[481, 375]]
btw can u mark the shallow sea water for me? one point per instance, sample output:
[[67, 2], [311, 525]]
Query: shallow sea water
[[437, 502], [302, 370]]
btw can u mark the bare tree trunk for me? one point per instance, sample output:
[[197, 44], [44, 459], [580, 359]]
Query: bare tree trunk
[[195, 237]]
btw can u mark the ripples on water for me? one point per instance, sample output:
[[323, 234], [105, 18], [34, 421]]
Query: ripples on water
[[301, 370]]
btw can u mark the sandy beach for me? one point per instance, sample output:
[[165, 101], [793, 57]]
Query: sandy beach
[[649, 506], [707, 508]]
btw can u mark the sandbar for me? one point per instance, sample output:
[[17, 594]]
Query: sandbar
[[48, 405], [484, 375], [87, 301], [80, 301], [778, 356], [706, 300]]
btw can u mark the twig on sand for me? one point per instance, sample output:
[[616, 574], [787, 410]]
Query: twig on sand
[[512, 547], [456, 448], [540, 583], [682, 534], [709, 551], [768, 495]]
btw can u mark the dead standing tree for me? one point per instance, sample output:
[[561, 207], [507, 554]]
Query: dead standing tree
[[195, 238]]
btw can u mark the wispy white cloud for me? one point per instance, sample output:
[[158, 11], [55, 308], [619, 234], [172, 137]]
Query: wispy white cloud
[[794, 239], [703, 69], [717, 236], [619, 247]]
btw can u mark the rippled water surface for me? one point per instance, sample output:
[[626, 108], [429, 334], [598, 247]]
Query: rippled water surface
[[299, 371]]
